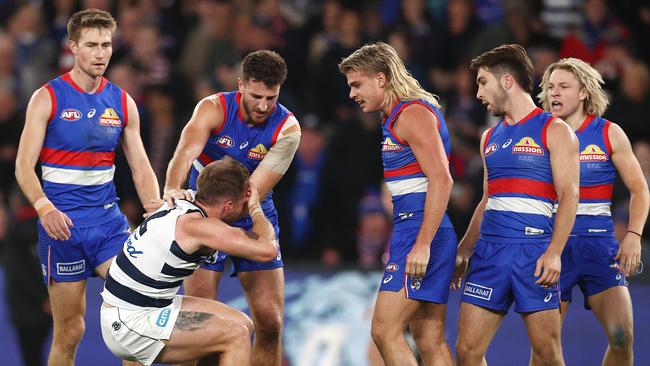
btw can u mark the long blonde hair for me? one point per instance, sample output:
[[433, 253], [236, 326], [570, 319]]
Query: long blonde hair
[[590, 80], [381, 57]]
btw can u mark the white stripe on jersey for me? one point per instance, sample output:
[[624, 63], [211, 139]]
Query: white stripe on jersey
[[520, 205], [406, 186], [197, 165], [78, 177], [592, 209]]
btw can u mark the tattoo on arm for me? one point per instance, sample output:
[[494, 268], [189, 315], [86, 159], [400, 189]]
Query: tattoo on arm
[[191, 320]]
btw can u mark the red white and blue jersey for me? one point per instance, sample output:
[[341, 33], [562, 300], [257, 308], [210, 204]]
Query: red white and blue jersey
[[402, 172], [521, 192], [244, 142], [78, 153], [597, 175]]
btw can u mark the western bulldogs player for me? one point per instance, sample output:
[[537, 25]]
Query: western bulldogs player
[[593, 259], [142, 318], [250, 126], [72, 127], [530, 162], [415, 151]]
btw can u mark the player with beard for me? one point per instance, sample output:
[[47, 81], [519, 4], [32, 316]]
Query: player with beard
[[250, 126], [73, 126], [593, 259], [530, 162]]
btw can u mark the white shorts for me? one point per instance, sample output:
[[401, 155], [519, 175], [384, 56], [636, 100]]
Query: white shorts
[[137, 335]]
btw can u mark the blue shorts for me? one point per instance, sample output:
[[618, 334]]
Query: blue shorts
[[245, 265], [434, 286], [75, 259], [588, 261], [500, 273]]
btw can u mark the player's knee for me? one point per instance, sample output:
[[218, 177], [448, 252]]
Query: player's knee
[[268, 323], [382, 332], [69, 332], [548, 353], [468, 352], [620, 338]]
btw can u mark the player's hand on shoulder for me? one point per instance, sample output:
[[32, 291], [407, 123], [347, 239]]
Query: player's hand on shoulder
[[253, 195], [56, 224], [459, 270], [176, 194]]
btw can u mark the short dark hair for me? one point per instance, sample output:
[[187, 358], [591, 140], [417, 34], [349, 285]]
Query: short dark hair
[[265, 66], [507, 59], [89, 18], [224, 179]]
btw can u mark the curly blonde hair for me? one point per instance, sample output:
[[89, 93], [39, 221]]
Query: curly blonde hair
[[381, 57], [590, 80]]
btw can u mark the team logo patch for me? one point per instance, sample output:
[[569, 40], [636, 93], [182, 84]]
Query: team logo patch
[[258, 152], [389, 145], [491, 148], [71, 268], [478, 291], [71, 115], [392, 267], [416, 283], [225, 142], [593, 152], [163, 317], [110, 118], [527, 146]]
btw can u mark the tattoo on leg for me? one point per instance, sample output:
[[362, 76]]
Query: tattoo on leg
[[191, 320]]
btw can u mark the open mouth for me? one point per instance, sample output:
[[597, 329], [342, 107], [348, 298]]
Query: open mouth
[[555, 105]]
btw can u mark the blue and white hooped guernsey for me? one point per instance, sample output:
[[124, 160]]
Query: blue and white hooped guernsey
[[246, 143], [521, 192], [597, 175], [403, 174], [78, 153]]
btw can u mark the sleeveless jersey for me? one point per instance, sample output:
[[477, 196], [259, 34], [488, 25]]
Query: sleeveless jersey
[[597, 175], [521, 193], [78, 154], [152, 266], [404, 177], [246, 143]]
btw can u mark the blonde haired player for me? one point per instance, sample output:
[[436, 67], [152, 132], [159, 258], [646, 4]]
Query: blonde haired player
[[593, 259]]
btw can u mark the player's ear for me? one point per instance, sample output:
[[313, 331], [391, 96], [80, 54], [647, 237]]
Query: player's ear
[[381, 79], [240, 84]]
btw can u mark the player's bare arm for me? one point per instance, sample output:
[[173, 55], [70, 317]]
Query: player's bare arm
[[565, 165], [629, 252], [144, 178], [466, 245], [54, 222], [277, 160], [207, 116], [418, 127]]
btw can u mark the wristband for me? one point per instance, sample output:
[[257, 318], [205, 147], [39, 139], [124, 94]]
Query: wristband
[[43, 206], [634, 232]]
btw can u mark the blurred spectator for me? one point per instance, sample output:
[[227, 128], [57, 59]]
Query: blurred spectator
[[35, 51], [374, 230], [26, 294], [8, 70], [599, 27], [298, 192], [559, 17], [10, 126], [148, 59], [630, 106]]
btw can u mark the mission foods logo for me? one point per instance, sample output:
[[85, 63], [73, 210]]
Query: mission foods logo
[[593, 153], [110, 118], [70, 115], [389, 145], [527, 146], [258, 152]]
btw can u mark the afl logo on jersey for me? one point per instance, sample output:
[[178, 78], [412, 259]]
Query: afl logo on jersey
[[527, 146], [593, 152], [71, 115], [110, 118], [225, 142], [491, 148], [257, 153]]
